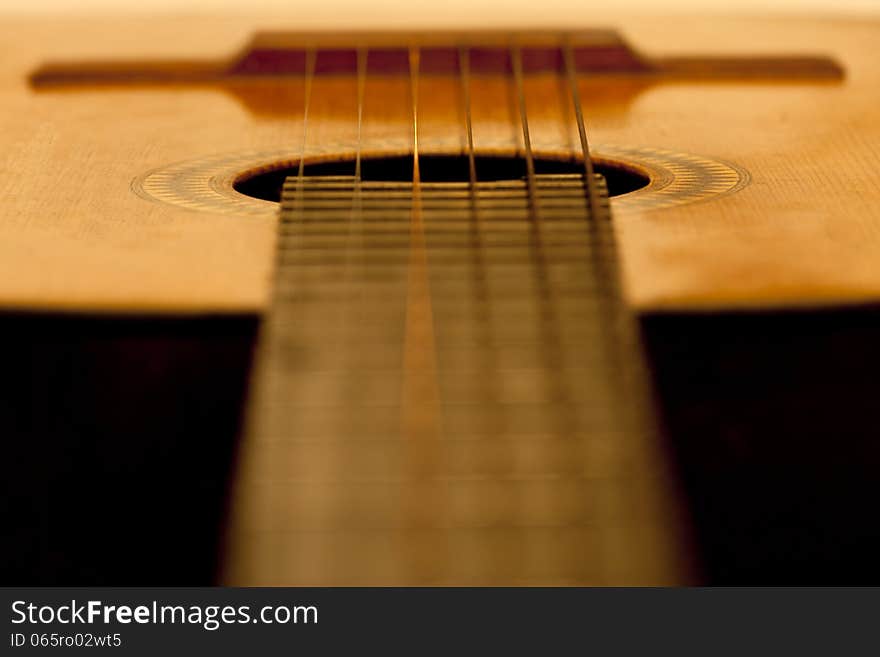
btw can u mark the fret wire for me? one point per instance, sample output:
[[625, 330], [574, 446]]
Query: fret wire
[[589, 179], [516, 64]]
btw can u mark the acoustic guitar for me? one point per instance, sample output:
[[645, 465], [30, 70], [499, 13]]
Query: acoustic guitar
[[594, 305]]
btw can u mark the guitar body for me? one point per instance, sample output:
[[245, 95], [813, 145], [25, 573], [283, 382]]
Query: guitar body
[[139, 234]]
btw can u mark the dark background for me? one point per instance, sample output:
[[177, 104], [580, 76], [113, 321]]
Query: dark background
[[119, 439]]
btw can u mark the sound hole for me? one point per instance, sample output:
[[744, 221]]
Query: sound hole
[[266, 185]]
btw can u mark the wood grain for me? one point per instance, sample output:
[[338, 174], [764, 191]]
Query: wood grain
[[74, 237]]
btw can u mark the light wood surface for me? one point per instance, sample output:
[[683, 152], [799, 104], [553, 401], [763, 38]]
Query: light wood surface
[[74, 236], [383, 12]]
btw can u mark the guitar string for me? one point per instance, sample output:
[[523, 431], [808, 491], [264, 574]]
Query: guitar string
[[589, 178], [516, 65], [420, 406], [626, 373], [420, 395], [290, 229], [362, 55], [603, 257], [464, 68], [414, 61], [552, 353], [310, 64], [465, 80], [482, 288], [597, 274], [549, 321], [356, 226]]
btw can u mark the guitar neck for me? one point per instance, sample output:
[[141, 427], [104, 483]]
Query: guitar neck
[[450, 390]]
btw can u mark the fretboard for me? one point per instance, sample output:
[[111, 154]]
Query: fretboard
[[449, 390]]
